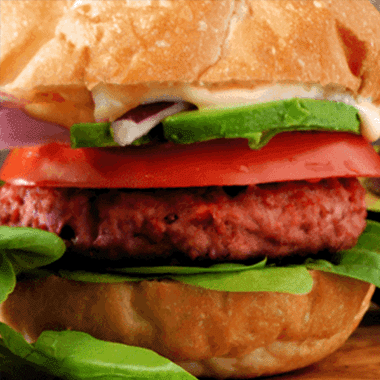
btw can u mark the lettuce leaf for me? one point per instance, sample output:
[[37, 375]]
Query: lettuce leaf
[[7, 278], [78, 356], [23, 249], [291, 280], [228, 277], [361, 262], [15, 368], [372, 201], [372, 197]]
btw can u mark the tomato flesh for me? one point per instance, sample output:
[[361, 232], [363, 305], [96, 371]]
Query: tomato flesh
[[288, 156]]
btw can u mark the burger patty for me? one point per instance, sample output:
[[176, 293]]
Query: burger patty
[[213, 223]]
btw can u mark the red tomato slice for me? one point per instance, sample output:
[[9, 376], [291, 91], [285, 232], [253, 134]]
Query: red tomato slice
[[289, 156]]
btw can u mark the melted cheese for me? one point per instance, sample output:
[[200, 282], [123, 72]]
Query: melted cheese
[[127, 131]]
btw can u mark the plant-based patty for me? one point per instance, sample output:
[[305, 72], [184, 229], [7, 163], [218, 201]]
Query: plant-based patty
[[212, 223]]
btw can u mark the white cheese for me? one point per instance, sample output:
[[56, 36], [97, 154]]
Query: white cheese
[[109, 104], [204, 98], [370, 120], [127, 131]]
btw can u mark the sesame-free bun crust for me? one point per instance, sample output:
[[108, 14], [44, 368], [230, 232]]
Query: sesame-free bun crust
[[211, 43], [209, 333]]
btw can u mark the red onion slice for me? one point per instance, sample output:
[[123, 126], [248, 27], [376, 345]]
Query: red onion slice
[[138, 124], [19, 129]]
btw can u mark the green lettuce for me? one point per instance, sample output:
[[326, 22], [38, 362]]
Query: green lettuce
[[372, 201], [23, 249], [78, 356], [361, 262], [372, 197], [228, 277]]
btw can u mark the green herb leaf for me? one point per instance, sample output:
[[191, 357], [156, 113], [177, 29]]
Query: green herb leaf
[[147, 273], [23, 249], [291, 280], [228, 277], [372, 197], [85, 276], [29, 248], [372, 201], [174, 270], [14, 367], [78, 356], [361, 262], [7, 278], [15, 341]]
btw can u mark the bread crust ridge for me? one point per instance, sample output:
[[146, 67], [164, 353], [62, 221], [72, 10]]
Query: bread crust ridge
[[243, 44]]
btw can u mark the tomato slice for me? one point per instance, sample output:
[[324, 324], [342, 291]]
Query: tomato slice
[[289, 156]]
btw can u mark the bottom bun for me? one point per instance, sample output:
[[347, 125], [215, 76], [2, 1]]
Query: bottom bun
[[209, 333]]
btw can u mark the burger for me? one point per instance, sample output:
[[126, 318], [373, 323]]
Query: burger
[[182, 197]]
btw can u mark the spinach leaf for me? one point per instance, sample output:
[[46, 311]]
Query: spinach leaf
[[372, 201], [78, 356], [7, 278], [14, 367], [291, 280], [23, 249], [174, 270], [229, 277], [29, 248], [361, 262]]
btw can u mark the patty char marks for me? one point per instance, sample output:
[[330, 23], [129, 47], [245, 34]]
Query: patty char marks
[[213, 223]]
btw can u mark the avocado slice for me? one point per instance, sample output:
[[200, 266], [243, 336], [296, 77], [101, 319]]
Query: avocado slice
[[258, 123], [91, 135], [97, 135]]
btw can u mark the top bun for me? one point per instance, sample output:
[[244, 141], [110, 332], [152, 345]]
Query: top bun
[[76, 45]]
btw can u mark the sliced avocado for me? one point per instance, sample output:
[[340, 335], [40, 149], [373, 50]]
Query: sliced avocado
[[260, 122], [97, 135], [91, 135]]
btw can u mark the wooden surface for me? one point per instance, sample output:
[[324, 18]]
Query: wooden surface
[[358, 359]]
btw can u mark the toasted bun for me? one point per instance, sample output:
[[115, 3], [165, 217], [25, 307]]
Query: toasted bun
[[209, 333], [56, 63]]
